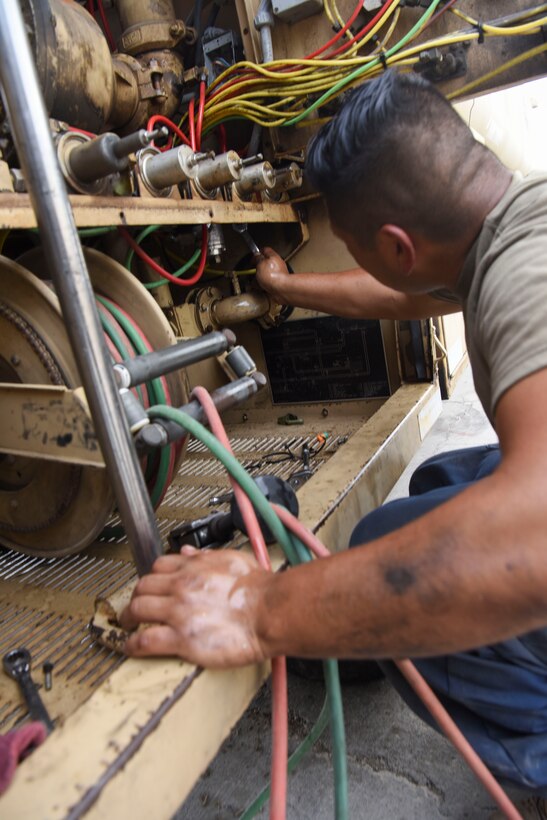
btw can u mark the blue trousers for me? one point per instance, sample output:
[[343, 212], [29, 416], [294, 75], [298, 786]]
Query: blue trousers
[[496, 694]]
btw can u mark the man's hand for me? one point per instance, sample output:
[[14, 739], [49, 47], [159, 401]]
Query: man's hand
[[201, 606], [272, 273]]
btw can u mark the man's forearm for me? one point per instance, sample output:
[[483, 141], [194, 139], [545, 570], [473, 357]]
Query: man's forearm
[[354, 294], [350, 293], [457, 578]]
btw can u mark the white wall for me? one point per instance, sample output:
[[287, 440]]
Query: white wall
[[513, 123]]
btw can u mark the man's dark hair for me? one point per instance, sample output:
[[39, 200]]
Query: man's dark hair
[[397, 153]]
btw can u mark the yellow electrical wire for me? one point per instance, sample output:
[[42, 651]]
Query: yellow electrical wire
[[274, 93], [207, 269], [335, 17], [512, 31], [527, 55], [389, 33]]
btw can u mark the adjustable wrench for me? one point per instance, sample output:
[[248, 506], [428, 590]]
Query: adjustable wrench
[[242, 229], [17, 665]]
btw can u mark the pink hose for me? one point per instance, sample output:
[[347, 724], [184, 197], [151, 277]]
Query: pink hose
[[280, 730]]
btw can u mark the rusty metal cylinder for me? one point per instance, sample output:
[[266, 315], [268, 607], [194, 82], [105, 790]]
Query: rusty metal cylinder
[[212, 173], [259, 177], [73, 62], [148, 25], [287, 178], [163, 169]]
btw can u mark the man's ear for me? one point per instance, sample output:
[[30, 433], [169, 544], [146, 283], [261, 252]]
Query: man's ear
[[397, 248]]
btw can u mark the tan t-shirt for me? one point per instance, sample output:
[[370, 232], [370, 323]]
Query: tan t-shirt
[[503, 290]]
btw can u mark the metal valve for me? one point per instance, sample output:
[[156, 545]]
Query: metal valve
[[86, 162], [286, 179], [215, 172], [160, 170], [258, 177]]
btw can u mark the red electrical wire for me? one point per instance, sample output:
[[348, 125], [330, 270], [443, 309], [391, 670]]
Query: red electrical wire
[[327, 45], [438, 14], [158, 268], [107, 31], [81, 131], [201, 109], [421, 687], [338, 34], [221, 131], [171, 125], [278, 798], [191, 124]]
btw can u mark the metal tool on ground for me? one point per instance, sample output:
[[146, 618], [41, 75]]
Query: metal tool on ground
[[242, 229], [17, 664], [47, 669], [217, 529]]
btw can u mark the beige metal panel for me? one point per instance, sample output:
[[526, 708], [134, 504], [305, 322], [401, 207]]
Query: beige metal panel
[[353, 486], [49, 422], [139, 743], [15, 211]]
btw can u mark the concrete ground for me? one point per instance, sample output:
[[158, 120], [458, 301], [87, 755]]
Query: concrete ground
[[399, 769]]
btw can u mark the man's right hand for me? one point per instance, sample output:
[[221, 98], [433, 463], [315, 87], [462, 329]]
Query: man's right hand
[[271, 273]]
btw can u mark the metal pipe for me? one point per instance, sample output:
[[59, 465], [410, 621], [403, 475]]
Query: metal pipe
[[162, 431], [240, 308], [160, 362], [23, 101]]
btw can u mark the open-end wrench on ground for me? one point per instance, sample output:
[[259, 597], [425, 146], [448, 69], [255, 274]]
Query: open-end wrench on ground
[[17, 665]]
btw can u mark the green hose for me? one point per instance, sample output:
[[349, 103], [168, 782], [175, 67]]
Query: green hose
[[116, 340], [288, 543], [317, 730], [157, 394]]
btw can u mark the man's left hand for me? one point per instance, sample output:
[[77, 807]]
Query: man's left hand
[[201, 606]]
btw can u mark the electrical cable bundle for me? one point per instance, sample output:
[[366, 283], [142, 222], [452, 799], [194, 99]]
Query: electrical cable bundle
[[298, 545], [285, 92]]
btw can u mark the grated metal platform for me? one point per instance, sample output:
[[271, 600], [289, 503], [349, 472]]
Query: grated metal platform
[[46, 603]]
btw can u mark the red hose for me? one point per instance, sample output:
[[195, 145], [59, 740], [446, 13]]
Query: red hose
[[158, 268], [278, 798], [172, 127], [201, 109], [107, 31], [192, 125], [421, 687]]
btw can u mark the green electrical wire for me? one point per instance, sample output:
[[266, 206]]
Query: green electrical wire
[[363, 69], [158, 282], [138, 239], [91, 232], [287, 542], [86, 233]]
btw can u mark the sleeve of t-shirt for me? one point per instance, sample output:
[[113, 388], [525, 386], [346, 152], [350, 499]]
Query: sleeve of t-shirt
[[512, 311]]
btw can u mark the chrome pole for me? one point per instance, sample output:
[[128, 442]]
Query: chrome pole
[[29, 122]]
